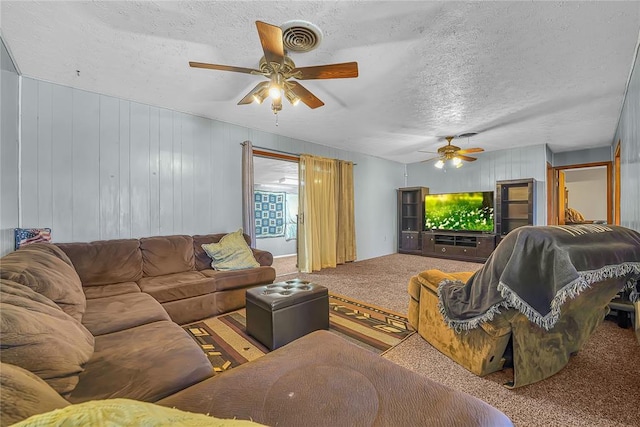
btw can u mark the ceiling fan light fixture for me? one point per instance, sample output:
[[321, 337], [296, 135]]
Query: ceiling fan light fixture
[[260, 95], [439, 164], [292, 97], [275, 91], [276, 105], [456, 162], [275, 88]]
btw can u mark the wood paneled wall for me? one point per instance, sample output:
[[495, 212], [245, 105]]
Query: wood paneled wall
[[9, 108], [628, 133], [481, 175], [97, 167]]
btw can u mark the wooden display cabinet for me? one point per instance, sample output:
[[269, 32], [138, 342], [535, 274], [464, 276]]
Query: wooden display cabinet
[[411, 219], [514, 205]]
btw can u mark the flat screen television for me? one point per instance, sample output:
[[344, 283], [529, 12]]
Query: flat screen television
[[459, 211]]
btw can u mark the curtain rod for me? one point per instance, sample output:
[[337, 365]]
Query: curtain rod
[[286, 153], [277, 151]]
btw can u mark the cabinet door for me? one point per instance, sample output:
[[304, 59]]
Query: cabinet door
[[485, 245], [410, 241], [428, 243]]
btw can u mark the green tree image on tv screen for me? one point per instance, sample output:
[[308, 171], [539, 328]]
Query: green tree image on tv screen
[[459, 211]]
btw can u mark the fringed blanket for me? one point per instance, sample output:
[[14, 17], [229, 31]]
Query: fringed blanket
[[535, 269]]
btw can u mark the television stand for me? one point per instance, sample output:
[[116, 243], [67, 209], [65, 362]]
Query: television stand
[[458, 245]]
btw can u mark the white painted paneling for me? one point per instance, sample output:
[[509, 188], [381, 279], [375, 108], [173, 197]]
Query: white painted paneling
[[177, 173], [481, 175], [61, 164], [154, 171], [140, 159], [29, 181], [121, 169], [202, 189], [9, 94], [188, 181], [578, 157], [124, 197], [165, 173], [628, 134], [43, 161], [86, 166], [109, 167]]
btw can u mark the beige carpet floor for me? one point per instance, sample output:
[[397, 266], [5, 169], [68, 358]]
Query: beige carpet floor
[[599, 387], [285, 265]]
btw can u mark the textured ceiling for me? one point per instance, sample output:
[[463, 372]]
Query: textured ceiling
[[519, 73]]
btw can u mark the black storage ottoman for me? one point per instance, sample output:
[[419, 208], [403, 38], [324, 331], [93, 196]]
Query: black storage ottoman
[[282, 312]]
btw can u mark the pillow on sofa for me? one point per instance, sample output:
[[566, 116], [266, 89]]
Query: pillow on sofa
[[231, 253], [25, 394], [48, 274], [41, 338], [127, 412]]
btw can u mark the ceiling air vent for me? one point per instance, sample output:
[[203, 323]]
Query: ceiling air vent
[[300, 36]]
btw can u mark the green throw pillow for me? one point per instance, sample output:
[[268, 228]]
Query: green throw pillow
[[231, 253], [126, 412]]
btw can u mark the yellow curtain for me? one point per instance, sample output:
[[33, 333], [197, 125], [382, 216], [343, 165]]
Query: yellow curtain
[[326, 232]]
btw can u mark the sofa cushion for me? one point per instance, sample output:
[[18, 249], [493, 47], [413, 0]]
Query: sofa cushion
[[315, 377], [146, 363], [231, 253], [38, 336], [105, 261], [167, 254], [235, 279], [203, 261], [48, 274], [172, 287], [25, 394], [120, 312], [102, 291], [50, 249]]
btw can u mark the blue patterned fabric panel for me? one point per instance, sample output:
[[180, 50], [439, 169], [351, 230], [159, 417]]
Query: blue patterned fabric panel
[[269, 211]]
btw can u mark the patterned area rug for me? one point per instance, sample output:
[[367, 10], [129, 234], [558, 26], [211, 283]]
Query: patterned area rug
[[226, 343]]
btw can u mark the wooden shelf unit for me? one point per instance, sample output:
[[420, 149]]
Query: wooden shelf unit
[[411, 219], [514, 205]]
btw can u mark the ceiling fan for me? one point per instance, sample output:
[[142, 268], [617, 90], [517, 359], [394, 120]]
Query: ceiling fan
[[278, 68], [452, 153]]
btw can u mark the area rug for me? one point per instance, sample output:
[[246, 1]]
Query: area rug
[[227, 345]]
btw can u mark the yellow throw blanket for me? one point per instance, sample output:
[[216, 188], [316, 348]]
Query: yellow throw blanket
[[126, 412]]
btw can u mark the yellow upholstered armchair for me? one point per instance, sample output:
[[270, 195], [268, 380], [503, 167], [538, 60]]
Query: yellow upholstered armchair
[[535, 302]]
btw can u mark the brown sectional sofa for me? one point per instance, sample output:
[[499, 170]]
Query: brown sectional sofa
[[174, 270], [63, 343]]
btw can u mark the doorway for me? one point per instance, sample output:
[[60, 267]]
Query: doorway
[[275, 187], [582, 194]]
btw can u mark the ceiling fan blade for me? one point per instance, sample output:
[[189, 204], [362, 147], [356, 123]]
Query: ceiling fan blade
[[329, 71], [467, 158], [470, 150], [432, 158], [224, 67], [305, 96], [271, 40], [248, 99]]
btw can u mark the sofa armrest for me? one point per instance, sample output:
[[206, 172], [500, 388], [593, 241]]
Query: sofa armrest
[[264, 258]]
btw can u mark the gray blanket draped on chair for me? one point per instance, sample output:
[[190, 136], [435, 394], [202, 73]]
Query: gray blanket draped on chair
[[536, 268]]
